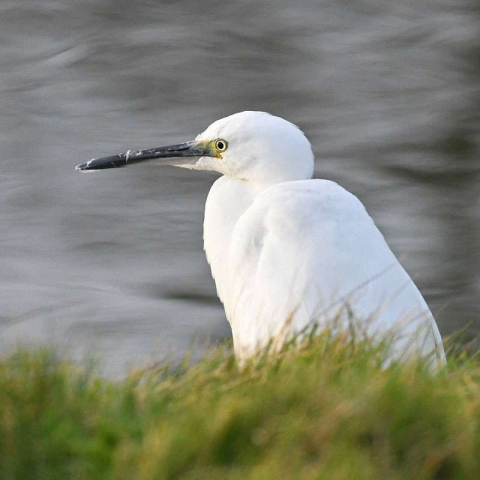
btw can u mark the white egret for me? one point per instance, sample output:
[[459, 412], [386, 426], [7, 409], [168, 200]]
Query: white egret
[[286, 250]]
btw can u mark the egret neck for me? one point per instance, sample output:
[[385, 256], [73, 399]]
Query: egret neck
[[227, 201]]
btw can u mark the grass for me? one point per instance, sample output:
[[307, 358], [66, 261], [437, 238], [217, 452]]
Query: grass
[[326, 410]]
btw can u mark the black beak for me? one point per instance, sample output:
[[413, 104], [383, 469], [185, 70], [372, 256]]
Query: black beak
[[180, 152]]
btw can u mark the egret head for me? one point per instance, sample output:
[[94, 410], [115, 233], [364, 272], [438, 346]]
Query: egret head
[[257, 147], [251, 146]]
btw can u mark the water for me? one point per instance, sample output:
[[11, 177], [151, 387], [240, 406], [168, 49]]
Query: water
[[387, 92]]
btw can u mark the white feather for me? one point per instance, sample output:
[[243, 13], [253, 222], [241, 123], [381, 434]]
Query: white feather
[[287, 251]]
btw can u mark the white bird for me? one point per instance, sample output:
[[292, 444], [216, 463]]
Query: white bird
[[288, 251]]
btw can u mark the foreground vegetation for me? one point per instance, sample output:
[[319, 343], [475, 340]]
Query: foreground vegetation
[[324, 411]]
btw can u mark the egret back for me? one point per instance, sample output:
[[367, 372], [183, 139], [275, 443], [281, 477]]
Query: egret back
[[305, 252]]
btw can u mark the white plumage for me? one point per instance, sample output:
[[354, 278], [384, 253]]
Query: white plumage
[[287, 251]]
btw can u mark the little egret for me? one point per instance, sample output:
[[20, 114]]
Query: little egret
[[288, 251]]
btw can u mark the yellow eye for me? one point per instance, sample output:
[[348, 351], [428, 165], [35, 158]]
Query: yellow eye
[[221, 145]]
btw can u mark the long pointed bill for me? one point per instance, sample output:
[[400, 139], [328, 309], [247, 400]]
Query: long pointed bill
[[182, 152]]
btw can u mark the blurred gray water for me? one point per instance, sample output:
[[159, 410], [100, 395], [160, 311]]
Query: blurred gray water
[[388, 93]]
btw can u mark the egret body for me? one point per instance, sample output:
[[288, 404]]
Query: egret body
[[288, 251]]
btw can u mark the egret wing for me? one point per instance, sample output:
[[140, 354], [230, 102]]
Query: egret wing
[[307, 251]]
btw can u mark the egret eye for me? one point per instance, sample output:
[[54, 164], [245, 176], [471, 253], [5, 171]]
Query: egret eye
[[221, 145]]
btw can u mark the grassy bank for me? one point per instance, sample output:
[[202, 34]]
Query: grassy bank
[[327, 411]]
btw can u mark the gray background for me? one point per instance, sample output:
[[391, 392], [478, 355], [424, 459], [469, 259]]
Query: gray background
[[388, 93]]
